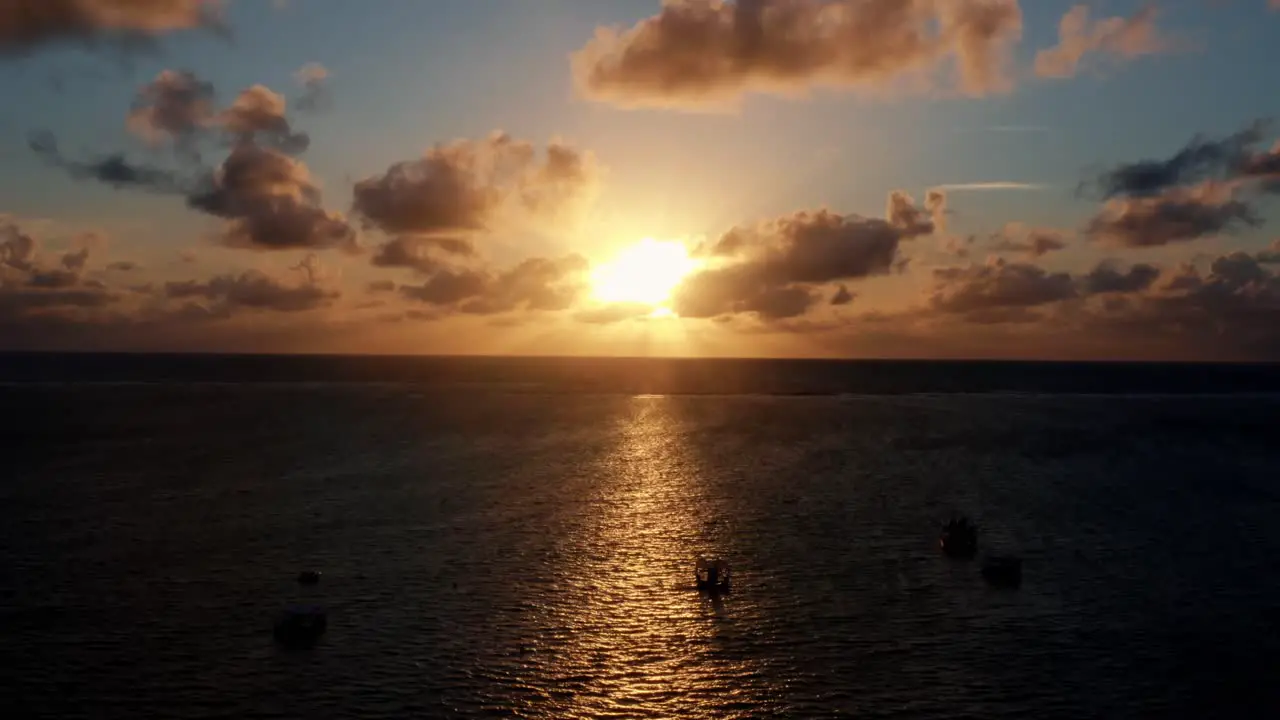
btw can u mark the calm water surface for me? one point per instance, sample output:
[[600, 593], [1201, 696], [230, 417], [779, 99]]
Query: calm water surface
[[524, 554]]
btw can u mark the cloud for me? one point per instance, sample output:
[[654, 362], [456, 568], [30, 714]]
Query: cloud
[[257, 116], [425, 254], [463, 187], [709, 52], [536, 284], [270, 203], [1177, 215], [990, 185], [33, 291], [1032, 242], [253, 290], [175, 107], [772, 269], [314, 79], [997, 285], [1201, 159], [1121, 38], [17, 248], [28, 24], [842, 296], [1106, 277], [1263, 167], [114, 169]]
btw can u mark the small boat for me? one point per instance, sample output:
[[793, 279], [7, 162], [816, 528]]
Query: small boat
[[713, 575], [300, 626], [959, 538], [1003, 571]]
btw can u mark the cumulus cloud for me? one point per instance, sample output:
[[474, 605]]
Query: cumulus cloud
[[174, 107], [35, 289], [270, 203], [258, 116], [709, 52], [772, 269], [28, 24], [1107, 277], [1177, 215], [1029, 241], [997, 285], [464, 186], [1121, 38]]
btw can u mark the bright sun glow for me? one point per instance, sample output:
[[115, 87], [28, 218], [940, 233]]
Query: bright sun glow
[[647, 272]]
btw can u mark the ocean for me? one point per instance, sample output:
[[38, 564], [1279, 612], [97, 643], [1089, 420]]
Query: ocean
[[517, 538]]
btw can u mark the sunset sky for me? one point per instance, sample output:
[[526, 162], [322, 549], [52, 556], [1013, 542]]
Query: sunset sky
[[832, 178]]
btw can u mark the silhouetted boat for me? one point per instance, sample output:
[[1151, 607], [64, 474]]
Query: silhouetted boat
[[959, 538], [713, 575], [1003, 571]]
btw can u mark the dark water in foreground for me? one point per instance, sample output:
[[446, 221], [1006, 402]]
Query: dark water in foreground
[[506, 548]]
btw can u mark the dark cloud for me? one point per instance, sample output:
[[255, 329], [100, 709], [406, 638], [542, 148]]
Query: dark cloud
[[53, 278], [1118, 37], [270, 203], [1179, 214], [28, 24], [462, 187], [772, 269], [842, 296], [35, 291], [537, 284], [425, 254], [995, 285], [17, 248], [122, 266], [253, 290], [1271, 255], [698, 52], [1264, 167], [448, 287], [115, 169], [1032, 242], [1202, 159], [1107, 278]]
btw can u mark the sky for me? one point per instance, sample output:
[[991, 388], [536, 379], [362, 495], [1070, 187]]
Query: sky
[[1025, 179]]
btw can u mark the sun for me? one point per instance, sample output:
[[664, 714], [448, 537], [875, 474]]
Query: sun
[[646, 273]]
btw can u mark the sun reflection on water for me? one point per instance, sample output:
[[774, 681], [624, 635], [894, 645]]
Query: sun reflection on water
[[637, 638]]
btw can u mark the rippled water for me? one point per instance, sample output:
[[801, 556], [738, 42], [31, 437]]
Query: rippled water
[[532, 554]]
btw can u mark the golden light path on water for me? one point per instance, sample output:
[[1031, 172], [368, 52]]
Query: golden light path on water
[[640, 640]]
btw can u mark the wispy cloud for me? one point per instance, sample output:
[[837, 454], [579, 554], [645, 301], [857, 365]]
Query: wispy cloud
[[993, 185], [1010, 129]]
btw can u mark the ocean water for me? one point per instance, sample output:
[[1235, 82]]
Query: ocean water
[[518, 540]]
